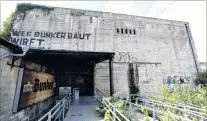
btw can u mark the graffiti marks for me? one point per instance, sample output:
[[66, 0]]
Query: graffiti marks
[[126, 57]]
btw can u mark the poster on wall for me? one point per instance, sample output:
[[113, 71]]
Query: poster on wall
[[64, 90], [33, 87]]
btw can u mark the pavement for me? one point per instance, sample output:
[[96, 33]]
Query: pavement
[[83, 109]]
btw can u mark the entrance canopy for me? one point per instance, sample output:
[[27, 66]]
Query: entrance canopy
[[62, 60], [54, 58]]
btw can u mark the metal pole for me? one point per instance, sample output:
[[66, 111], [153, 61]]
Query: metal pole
[[192, 46], [130, 105], [153, 111], [114, 112], [63, 106], [49, 117]]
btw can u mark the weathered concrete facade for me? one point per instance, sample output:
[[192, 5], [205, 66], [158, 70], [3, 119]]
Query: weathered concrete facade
[[8, 84], [156, 47], [203, 66]]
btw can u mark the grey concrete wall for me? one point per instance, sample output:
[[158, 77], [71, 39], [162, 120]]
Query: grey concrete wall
[[8, 81], [156, 41]]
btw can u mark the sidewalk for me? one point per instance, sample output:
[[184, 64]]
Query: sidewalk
[[83, 109]]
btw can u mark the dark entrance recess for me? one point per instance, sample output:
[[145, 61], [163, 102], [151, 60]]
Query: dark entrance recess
[[72, 68]]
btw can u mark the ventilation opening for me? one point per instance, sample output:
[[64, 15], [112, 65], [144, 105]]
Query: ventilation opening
[[126, 31], [122, 31], [134, 31], [130, 31], [117, 30]]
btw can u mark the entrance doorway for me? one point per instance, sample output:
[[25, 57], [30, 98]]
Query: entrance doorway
[[85, 83], [79, 77], [74, 69]]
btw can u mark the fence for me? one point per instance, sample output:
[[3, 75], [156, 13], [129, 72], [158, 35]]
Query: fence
[[58, 109], [115, 115], [152, 105]]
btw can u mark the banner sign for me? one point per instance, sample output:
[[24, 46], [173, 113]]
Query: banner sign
[[35, 87]]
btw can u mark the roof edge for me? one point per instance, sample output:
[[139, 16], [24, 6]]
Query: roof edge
[[185, 22], [14, 47]]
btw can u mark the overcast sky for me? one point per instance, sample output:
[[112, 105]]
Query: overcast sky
[[193, 12]]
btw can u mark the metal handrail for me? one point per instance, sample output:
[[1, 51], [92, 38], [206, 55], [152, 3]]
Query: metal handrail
[[113, 110], [188, 105], [58, 109], [156, 112], [110, 107], [201, 109], [189, 112], [182, 110], [176, 106], [154, 102]]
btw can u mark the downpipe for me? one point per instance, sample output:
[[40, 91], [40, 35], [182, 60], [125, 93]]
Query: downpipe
[[192, 48], [24, 48]]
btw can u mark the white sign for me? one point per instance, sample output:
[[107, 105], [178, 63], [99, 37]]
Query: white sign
[[64, 90]]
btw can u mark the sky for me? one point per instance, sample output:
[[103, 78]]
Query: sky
[[193, 12]]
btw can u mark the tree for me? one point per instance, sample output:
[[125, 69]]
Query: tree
[[19, 14], [7, 27], [202, 78]]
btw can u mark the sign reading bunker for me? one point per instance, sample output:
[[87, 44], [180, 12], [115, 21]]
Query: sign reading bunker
[[35, 87]]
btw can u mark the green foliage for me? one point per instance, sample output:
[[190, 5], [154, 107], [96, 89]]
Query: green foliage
[[23, 8], [183, 94], [202, 78], [19, 14], [143, 111], [101, 110], [119, 104], [7, 27], [147, 119], [107, 116]]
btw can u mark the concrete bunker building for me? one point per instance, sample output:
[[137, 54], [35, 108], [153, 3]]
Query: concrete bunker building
[[91, 49]]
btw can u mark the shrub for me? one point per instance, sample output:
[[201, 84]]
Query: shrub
[[202, 78]]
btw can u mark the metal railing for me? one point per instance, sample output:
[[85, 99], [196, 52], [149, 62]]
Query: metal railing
[[192, 108], [152, 105], [156, 112], [58, 109], [98, 96], [115, 115]]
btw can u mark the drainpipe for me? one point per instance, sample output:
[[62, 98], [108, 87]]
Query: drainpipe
[[24, 48], [193, 48]]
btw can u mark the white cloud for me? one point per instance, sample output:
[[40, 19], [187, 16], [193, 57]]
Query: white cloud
[[124, 7]]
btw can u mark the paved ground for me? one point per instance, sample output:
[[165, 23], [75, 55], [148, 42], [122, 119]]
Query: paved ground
[[83, 109]]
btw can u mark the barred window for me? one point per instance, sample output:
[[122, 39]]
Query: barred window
[[117, 30], [126, 31], [130, 31], [134, 31]]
